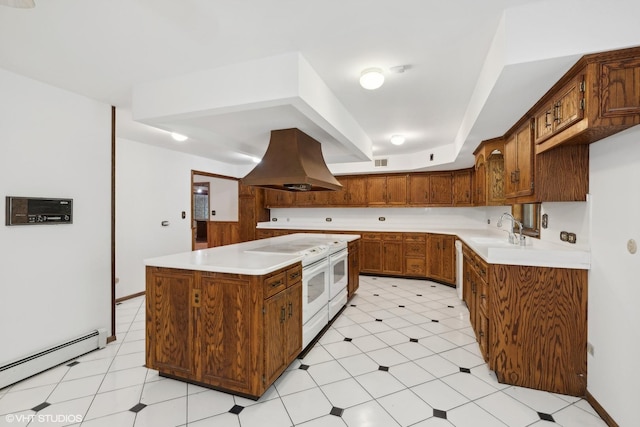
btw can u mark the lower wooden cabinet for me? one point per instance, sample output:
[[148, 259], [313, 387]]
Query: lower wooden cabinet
[[226, 331], [441, 253], [415, 254], [530, 323], [354, 268]]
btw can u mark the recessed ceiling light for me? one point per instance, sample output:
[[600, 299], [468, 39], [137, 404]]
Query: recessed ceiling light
[[178, 137], [371, 78], [397, 139]]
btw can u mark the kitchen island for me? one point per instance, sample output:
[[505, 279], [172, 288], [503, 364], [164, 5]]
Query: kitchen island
[[229, 317]]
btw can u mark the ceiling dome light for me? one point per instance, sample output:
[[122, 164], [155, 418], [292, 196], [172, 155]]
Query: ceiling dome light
[[178, 137], [397, 139], [371, 78]]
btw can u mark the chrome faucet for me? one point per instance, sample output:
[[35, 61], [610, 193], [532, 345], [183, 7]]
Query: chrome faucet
[[519, 240]]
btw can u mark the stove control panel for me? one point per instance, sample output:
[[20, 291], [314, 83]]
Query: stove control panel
[[35, 210]]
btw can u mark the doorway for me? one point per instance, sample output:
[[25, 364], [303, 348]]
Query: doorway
[[200, 194]]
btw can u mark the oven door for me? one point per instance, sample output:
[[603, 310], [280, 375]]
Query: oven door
[[315, 288], [339, 272]]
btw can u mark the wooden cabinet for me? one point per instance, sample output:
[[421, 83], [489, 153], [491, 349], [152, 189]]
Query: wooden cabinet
[[283, 330], [476, 295], [353, 192], [415, 254], [381, 253], [518, 162], [386, 190], [418, 189], [354, 268], [489, 173], [392, 254], [441, 255], [227, 331], [251, 211], [597, 97], [441, 189], [371, 253], [278, 198], [538, 327], [311, 198], [462, 193]]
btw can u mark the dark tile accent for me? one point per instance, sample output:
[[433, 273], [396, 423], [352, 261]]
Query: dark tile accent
[[41, 406], [433, 286], [348, 339], [546, 417], [438, 413], [383, 368], [303, 367], [418, 295], [450, 306], [336, 411], [413, 339], [138, 407], [236, 409], [378, 320], [465, 370], [435, 320], [376, 295], [352, 305], [394, 286], [401, 306], [74, 363]]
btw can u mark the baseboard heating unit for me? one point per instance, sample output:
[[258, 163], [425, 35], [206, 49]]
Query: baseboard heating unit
[[48, 358]]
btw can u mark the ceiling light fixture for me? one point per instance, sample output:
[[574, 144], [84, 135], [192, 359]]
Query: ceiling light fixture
[[178, 137], [397, 139], [371, 78], [22, 4]]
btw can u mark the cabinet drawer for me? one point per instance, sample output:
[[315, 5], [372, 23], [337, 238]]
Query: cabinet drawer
[[415, 249], [415, 266], [275, 284], [411, 238], [392, 237], [294, 275], [371, 236]]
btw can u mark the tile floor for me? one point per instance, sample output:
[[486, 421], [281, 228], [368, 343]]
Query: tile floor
[[401, 354]]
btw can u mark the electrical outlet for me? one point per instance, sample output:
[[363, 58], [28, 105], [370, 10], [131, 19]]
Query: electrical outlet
[[571, 238], [328, 219], [545, 220], [381, 218], [590, 349], [213, 213], [564, 236]]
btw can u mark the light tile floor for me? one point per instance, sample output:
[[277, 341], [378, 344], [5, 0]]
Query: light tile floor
[[401, 354]]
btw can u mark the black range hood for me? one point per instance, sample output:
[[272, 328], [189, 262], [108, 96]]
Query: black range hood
[[293, 162]]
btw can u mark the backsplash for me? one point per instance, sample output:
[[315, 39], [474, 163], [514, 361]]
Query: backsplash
[[572, 217]]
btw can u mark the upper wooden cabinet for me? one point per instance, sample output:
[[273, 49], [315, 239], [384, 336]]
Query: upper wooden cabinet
[[418, 189], [489, 173], [386, 190], [462, 182], [518, 162], [441, 189], [597, 97], [353, 192], [277, 198]]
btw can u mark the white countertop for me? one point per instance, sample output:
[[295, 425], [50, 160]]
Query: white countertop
[[234, 258], [491, 245]]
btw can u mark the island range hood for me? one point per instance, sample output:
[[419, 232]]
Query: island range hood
[[293, 162]]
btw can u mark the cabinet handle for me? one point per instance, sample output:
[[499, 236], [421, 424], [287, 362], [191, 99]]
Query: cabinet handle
[[283, 314], [276, 284], [517, 175], [481, 334], [196, 297], [290, 309], [513, 177], [547, 123], [294, 275]]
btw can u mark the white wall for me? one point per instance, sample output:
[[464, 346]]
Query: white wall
[[614, 278], [153, 185], [55, 280]]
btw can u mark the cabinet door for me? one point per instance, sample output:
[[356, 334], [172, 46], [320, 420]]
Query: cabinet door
[[293, 324], [524, 174], [278, 198], [441, 189], [543, 123], [354, 268], [392, 256], [462, 188], [480, 183], [376, 190], [275, 316], [441, 256], [568, 107], [448, 259], [371, 253], [619, 88], [418, 189], [495, 180], [170, 322], [340, 197], [397, 190], [357, 195], [510, 166], [434, 256], [225, 318]]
